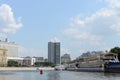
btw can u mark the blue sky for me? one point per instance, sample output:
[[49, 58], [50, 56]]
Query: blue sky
[[80, 25]]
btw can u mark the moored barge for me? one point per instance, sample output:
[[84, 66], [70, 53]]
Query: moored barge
[[96, 63]]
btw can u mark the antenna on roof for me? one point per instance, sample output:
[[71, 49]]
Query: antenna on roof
[[7, 38]]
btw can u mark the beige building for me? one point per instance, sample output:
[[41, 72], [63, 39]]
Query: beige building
[[3, 57], [12, 47]]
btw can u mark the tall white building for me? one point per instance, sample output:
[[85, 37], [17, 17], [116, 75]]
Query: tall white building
[[12, 47]]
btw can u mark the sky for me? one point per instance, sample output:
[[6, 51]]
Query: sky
[[80, 25]]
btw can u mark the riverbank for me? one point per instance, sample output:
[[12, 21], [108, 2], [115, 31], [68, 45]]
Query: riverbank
[[24, 68]]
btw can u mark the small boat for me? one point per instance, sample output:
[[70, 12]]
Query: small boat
[[60, 67], [39, 68]]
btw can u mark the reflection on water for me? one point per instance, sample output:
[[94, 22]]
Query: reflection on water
[[4, 75], [57, 75], [4, 78], [112, 76]]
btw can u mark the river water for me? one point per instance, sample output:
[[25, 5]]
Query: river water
[[57, 75]]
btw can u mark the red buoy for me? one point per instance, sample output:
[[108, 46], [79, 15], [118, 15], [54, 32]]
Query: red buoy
[[41, 72]]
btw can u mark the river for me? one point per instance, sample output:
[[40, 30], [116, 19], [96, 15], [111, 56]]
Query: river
[[57, 75]]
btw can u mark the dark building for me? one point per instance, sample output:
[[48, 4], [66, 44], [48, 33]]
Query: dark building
[[54, 52]]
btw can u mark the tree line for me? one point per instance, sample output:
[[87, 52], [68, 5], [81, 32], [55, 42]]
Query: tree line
[[12, 63]]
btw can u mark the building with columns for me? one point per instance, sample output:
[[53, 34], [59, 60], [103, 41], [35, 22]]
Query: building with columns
[[12, 47], [3, 57]]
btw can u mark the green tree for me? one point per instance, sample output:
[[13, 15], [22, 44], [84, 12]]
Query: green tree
[[12, 63], [43, 64], [53, 65], [117, 51]]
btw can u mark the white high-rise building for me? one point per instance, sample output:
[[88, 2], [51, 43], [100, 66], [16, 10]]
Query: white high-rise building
[[12, 47]]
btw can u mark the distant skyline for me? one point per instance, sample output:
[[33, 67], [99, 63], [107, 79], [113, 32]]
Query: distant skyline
[[80, 25]]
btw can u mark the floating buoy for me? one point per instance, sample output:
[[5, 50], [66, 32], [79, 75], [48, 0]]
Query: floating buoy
[[41, 72]]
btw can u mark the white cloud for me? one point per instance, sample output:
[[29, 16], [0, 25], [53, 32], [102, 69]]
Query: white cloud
[[2, 35], [64, 51], [116, 27], [55, 39], [94, 29], [82, 51], [23, 51], [113, 3], [7, 20], [80, 31]]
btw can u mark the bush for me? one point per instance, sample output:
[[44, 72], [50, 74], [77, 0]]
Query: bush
[[116, 50], [44, 64], [12, 63]]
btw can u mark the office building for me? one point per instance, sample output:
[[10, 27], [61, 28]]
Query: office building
[[54, 51]]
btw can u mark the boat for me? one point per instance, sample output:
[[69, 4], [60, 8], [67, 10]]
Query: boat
[[59, 67], [96, 63]]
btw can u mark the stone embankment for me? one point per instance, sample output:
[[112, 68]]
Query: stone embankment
[[24, 68]]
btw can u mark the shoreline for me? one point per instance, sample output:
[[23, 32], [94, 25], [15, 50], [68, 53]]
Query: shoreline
[[24, 68]]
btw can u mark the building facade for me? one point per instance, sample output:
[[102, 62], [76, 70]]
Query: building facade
[[29, 61], [12, 47], [54, 52], [65, 58], [17, 59], [39, 59], [3, 57]]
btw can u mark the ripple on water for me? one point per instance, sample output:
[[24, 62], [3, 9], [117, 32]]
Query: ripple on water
[[57, 75]]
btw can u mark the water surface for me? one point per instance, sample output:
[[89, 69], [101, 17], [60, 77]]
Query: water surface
[[57, 75]]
